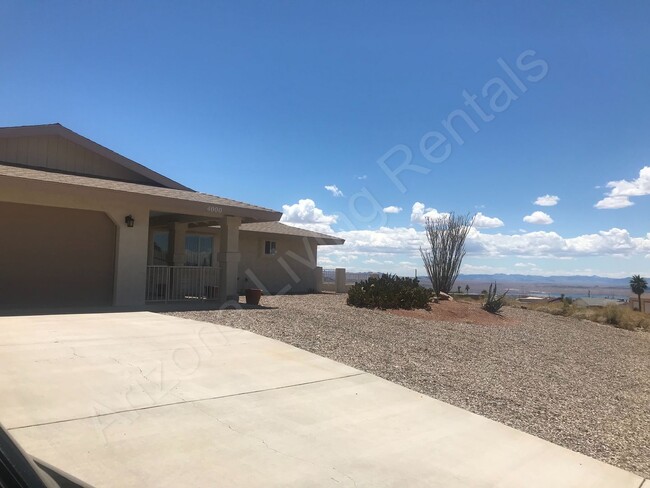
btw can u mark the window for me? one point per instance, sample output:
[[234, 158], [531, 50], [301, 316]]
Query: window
[[161, 248], [198, 250], [269, 247]]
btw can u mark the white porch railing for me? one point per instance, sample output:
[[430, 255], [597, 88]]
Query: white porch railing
[[172, 283]]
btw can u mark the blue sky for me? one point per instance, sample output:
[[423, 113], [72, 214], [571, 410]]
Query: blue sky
[[271, 102]]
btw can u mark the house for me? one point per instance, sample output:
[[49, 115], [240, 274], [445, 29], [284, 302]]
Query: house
[[85, 226], [596, 302], [645, 302]]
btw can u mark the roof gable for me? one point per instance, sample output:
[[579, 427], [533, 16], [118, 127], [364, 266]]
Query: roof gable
[[56, 148]]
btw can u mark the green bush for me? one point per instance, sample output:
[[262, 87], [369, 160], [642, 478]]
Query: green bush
[[389, 291], [494, 302]]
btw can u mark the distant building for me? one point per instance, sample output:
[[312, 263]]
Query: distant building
[[533, 299], [595, 302], [645, 303]]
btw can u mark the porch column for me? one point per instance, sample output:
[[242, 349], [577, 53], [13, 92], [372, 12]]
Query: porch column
[[178, 231], [229, 258], [130, 257]]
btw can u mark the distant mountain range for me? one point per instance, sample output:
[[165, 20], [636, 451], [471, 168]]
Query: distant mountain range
[[575, 280], [529, 285], [534, 285]]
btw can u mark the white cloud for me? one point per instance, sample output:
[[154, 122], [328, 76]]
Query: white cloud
[[609, 203], [385, 240], [468, 268], [621, 191], [484, 222], [402, 244], [612, 242], [392, 209], [547, 200], [334, 190], [538, 217], [362, 177], [306, 215], [419, 213]]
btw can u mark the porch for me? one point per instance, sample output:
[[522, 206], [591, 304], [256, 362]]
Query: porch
[[176, 283], [187, 259]]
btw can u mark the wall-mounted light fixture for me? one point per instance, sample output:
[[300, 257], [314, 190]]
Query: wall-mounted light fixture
[[129, 220]]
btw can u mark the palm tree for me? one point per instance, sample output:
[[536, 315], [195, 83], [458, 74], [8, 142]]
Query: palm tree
[[638, 285]]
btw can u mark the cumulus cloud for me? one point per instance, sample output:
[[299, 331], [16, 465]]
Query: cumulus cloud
[[484, 222], [392, 209], [612, 242], [306, 215], [468, 268], [538, 217], [547, 200], [610, 203], [385, 240], [334, 190], [621, 191], [419, 213], [403, 243]]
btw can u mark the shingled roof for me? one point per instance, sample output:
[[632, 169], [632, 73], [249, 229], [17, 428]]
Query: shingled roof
[[230, 207], [278, 228]]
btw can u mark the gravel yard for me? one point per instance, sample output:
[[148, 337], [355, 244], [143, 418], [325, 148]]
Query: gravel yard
[[578, 384]]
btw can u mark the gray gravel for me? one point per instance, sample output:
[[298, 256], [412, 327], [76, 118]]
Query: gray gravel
[[576, 383]]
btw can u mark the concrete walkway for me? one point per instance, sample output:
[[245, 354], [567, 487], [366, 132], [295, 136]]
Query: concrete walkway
[[140, 399]]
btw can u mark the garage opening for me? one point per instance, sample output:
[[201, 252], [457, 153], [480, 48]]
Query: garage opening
[[55, 257]]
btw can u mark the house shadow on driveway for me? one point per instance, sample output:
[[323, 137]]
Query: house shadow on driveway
[[162, 307]]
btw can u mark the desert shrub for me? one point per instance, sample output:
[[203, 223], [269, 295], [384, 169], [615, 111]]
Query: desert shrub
[[644, 324], [446, 235], [567, 307], [389, 291], [619, 316], [613, 315], [494, 302]]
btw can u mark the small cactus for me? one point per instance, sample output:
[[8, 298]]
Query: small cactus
[[494, 302]]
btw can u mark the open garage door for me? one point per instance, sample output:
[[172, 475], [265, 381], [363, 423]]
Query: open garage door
[[55, 257]]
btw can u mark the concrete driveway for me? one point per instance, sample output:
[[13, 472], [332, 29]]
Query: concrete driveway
[[141, 399]]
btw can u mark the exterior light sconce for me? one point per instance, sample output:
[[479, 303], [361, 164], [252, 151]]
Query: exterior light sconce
[[129, 220]]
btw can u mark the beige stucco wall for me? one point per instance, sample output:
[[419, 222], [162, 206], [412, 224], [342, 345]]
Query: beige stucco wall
[[290, 270]]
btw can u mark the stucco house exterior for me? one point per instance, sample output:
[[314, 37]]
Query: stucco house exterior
[[645, 302], [596, 302], [85, 226]]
